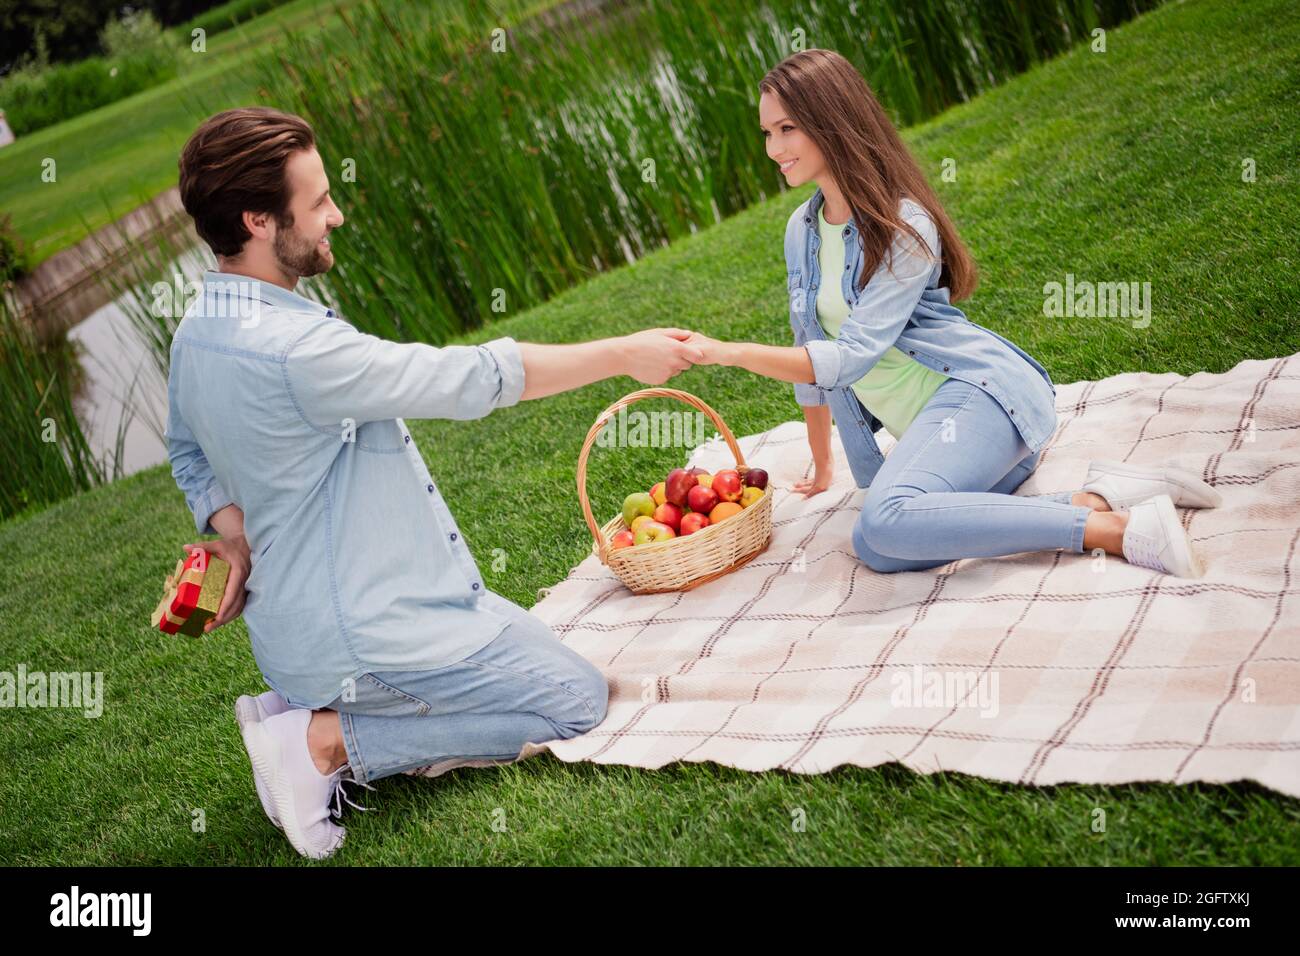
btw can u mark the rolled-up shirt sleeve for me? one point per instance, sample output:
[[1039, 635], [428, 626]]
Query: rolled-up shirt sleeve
[[805, 393], [335, 372], [882, 310]]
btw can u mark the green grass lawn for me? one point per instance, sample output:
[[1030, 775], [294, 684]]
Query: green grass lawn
[[1117, 166], [114, 158]]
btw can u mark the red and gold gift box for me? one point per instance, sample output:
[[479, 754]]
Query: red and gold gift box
[[191, 594]]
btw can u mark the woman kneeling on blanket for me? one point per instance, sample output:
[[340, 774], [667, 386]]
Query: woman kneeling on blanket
[[879, 343]]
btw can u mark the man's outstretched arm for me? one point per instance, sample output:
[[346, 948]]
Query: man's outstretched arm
[[652, 357], [336, 373]]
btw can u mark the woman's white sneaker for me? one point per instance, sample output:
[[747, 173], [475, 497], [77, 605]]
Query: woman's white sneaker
[[1154, 538], [1124, 485], [252, 710], [299, 793]]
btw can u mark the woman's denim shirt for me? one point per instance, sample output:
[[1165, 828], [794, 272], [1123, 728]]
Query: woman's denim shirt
[[907, 309]]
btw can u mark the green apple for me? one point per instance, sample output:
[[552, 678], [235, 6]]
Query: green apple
[[636, 504], [653, 531]]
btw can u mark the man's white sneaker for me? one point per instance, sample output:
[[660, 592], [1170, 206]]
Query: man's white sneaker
[[269, 704], [1124, 485], [252, 710], [300, 794], [1154, 538]]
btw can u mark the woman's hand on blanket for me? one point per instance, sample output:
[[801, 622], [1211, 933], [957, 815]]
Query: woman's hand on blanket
[[819, 482], [234, 551]]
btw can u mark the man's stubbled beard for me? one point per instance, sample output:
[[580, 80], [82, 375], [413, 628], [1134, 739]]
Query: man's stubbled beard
[[296, 255]]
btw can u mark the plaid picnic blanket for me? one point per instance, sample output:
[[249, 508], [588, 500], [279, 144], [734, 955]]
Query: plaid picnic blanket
[[1035, 668]]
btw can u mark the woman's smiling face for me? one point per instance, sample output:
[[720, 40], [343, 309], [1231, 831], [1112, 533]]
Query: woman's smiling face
[[788, 146]]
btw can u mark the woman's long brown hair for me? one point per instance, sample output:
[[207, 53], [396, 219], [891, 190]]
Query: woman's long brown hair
[[830, 101]]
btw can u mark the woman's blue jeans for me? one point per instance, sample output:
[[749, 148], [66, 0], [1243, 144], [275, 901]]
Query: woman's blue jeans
[[522, 686], [945, 491]]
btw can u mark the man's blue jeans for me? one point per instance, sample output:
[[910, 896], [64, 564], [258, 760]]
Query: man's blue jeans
[[522, 686], [945, 491]]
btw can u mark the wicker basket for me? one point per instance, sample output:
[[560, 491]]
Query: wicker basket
[[686, 561]]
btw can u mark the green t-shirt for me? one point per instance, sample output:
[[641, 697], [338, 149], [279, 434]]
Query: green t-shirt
[[897, 387]]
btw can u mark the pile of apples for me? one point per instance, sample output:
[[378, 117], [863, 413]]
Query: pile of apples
[[685, 502]]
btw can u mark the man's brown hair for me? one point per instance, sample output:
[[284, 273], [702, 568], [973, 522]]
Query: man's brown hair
[[235, 161]]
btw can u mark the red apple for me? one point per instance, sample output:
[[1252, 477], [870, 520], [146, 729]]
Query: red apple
[[694, 522], [727, 484], [697, 470], [676, 486], [657, 493], [669, 514], [756, 478], [653, 531], [623, 539], [701, 499]]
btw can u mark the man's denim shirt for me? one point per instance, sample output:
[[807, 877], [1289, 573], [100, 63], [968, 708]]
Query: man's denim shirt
[[282, 407], [907, 309]]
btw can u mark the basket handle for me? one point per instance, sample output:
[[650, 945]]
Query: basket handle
[[610, 412]]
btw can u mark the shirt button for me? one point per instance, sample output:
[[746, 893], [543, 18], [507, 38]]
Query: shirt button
[[453, 536], [945, 368], [430, 489], [407, 439], [476, 586], [982, 382], [1013, 411], [911, 351]]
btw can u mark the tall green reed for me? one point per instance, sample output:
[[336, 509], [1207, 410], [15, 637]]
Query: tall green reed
[[46, 439], [484, 171], [46, 452], [48, 449], [492, 173]]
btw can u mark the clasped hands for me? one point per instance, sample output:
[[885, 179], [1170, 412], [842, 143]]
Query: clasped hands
[[659, 354]]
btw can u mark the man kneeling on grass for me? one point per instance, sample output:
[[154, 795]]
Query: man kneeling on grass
[[384, 649]]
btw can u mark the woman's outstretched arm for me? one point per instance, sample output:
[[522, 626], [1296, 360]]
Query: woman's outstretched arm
[[788, 364], [782, 362]]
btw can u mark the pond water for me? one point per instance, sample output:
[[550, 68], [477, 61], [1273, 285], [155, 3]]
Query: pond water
[[122, 389]]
